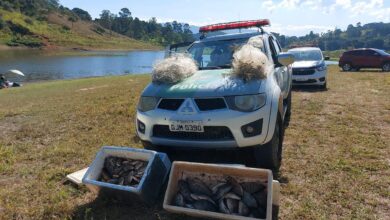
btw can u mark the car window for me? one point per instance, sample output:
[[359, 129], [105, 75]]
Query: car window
[[307, 55], [215, 54], [274, 50], [368, 53]]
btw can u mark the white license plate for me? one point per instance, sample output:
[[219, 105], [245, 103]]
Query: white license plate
[[186, 126]]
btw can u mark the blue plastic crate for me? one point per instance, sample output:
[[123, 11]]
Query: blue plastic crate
[[156, 173]]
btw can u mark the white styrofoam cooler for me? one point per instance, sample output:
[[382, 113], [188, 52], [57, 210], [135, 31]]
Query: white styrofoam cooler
[[151, 182]]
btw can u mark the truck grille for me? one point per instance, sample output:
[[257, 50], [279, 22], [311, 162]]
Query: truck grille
[[213, 133], [203, 104], [170, 104], [303, 71], [210, 104]]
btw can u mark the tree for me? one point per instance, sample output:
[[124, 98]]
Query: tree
[[106, 19], [73, 19], [83, 15]]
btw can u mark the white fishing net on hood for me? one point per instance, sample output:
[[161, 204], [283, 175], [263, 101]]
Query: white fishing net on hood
[[250, 62], [173, 69]]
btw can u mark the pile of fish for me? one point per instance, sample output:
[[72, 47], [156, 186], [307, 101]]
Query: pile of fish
[[123, 171], [229, 197]]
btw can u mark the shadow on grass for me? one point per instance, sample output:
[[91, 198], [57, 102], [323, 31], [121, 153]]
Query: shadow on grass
[[308, 88], [107, 208]]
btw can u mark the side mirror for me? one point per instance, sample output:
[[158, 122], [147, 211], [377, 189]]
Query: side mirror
[[327, 58], [286, 59]]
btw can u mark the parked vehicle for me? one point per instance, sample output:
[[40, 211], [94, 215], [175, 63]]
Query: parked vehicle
[[309, 67], [210, 110], [365, 58]]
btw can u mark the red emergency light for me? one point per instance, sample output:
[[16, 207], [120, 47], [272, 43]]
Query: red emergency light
[[234, 25]]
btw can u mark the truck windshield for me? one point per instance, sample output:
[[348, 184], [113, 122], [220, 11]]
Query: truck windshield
[[215, 54], [307, 55]]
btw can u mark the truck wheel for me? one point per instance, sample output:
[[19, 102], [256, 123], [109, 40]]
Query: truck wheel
[[347, 67], [149, 146], [288, 112], [270, 155], [386, 67]]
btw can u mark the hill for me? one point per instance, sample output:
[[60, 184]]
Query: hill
[[376, 35], [59, 29]]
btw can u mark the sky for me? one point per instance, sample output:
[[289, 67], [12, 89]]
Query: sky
[[288, 17]]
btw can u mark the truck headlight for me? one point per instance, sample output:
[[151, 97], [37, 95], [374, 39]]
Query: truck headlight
[[246, 103], [147, 103], [321, 67]]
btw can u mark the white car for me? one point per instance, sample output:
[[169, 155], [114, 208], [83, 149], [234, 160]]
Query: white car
[[309, 67], [211, 110]]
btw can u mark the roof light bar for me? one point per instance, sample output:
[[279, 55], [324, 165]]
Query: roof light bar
[[234, 25]]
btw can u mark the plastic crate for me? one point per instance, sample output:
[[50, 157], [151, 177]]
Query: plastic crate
[[151, 182], [188, 169]]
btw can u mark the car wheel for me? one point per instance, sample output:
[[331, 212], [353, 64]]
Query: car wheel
[[270, 155], [386, 67], [324, 87], [347, 67]]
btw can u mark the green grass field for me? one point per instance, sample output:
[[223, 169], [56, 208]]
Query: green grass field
[[335, 159]]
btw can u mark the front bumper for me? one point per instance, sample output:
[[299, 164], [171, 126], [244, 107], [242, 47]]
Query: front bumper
[[232, 120], [318, 78]]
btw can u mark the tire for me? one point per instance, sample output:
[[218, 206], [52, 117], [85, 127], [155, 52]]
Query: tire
[[288, 112], [270, 155], [386, 67], [347, 67], [324, 87]]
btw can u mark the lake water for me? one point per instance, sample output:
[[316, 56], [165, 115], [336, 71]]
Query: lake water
[[42, 65]]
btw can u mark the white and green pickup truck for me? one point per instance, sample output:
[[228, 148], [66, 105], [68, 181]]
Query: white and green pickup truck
[[212, 110]]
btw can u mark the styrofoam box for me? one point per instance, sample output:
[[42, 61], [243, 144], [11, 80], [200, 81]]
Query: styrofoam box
[[151, 182], [214, 171]]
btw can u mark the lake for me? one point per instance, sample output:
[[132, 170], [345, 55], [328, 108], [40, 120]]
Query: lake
[[43, 65]]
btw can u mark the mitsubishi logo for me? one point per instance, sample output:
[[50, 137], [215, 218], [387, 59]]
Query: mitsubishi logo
[[188, 108]]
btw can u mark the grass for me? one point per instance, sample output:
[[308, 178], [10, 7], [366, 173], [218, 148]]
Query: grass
[[336, 150], [59, 32]]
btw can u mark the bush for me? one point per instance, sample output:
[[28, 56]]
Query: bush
[[98, 29], [28, 21], [18, 29], [2, 23]]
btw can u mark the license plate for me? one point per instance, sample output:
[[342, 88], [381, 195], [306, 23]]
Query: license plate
[[301, 79], [186, 126]]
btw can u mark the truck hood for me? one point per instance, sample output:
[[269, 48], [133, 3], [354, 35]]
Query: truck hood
[[306, 64], [205, 83]]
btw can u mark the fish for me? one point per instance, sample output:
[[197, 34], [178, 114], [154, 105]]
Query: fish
[[223, 207], [179, 200], [237, 188], [204, 205], [249, 200], [197, 186], [243, 209], [202, 197], [222, 190], [252, 187], [214, 189], [232, 205], [261, 197], [231, 195], [185, 190]]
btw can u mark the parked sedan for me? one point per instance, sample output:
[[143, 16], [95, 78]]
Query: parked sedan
[[309, 67], [365, 58]]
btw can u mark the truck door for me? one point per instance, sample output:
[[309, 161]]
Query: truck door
[[282, 76]]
